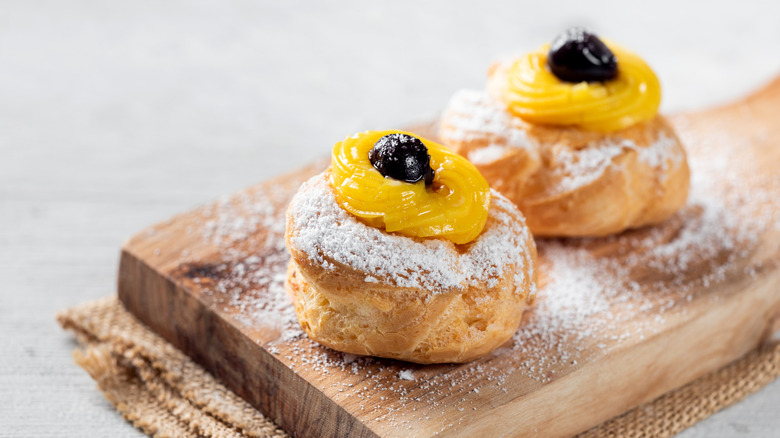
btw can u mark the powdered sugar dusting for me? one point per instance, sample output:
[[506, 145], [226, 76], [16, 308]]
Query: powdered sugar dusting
[[249, 275], [594, 295], [406, 375], [473, 114], [487, 155], [332, 238], [664, 154], [588, 299], [578, 168]]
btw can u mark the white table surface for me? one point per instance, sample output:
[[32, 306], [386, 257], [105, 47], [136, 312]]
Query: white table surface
[[118, 114]]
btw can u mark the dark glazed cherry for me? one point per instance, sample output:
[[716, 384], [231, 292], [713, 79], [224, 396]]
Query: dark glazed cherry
[[577, 55], [402, 157]]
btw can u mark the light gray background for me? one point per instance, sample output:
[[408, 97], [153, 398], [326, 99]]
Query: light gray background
[[118, 114]]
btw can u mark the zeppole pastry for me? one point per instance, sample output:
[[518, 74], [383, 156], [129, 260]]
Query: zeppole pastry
[[571, 134], [401, 250]]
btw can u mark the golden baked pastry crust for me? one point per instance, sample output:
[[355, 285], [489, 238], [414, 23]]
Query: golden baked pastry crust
[[444, 316], [568, 181]]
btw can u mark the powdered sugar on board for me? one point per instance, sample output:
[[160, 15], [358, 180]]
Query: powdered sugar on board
[[250, 274], [594, 294]]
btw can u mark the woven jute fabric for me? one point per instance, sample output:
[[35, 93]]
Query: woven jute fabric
[[163, 393]]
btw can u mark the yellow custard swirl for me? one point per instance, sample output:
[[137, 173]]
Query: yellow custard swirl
[[454, 207], [533, 93]]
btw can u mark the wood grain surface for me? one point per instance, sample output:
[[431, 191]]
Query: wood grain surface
[[187, 279]]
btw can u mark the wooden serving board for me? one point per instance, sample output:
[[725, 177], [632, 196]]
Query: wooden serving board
[[618, 321]]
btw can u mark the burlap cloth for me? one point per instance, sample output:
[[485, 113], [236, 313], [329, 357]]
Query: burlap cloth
[[163, 393]]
